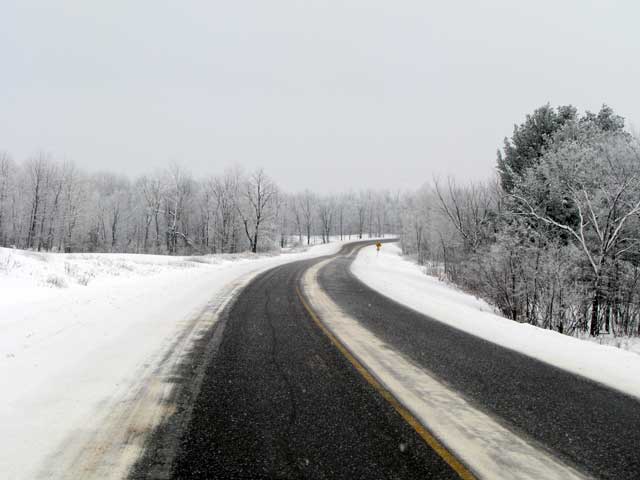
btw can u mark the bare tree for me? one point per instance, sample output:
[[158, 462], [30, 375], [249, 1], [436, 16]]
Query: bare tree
[[362, 209], [73, 196], [54, 217], [180, 190], [37, 173], [153, 191], [6, 178], [225, 191], [306, 207], [467, 207], [296, 210], [254, 206], [343, 205], [326, 211]]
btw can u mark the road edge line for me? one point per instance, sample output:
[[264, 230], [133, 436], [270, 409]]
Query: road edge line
[[448, 457]]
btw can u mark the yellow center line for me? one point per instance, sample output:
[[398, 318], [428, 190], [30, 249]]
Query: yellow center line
[[428, 438]]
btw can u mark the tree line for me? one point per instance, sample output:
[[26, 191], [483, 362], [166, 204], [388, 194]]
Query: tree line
[[51, 205], [553, 239]]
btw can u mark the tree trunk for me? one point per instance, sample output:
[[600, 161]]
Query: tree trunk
[[595, 307]]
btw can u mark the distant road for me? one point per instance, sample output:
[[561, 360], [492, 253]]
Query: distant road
[[279, 398]]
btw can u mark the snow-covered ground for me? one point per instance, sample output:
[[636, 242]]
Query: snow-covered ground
[[404, 281], [81, 335], [631, 344]]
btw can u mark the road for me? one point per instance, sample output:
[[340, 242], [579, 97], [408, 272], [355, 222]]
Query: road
[[272, 395]]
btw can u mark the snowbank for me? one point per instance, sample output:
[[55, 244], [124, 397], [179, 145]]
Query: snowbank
[[405, 282], [80, 333]]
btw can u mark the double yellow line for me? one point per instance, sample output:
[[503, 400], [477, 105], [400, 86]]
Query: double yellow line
[[462, 471]]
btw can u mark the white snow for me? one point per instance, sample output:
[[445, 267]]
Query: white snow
[[404, 281], [80, 333]]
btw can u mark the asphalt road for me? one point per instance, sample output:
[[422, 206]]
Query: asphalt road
[[279, 401], [274, 398], [587, 424]]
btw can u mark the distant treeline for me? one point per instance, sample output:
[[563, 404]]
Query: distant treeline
[[50, 205]]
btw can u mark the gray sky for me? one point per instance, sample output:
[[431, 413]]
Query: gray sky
[[323, 94]]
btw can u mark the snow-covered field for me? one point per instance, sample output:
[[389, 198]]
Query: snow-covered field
[[404, 281], [82, 334]]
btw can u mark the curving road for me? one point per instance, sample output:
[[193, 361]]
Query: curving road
[[268, 394]]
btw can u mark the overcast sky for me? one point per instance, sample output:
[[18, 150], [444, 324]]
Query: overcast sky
[[326, 94]]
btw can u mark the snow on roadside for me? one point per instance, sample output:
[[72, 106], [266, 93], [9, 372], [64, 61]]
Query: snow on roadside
[[26, 275], [76, 330], [404, 281], [632, 344]]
